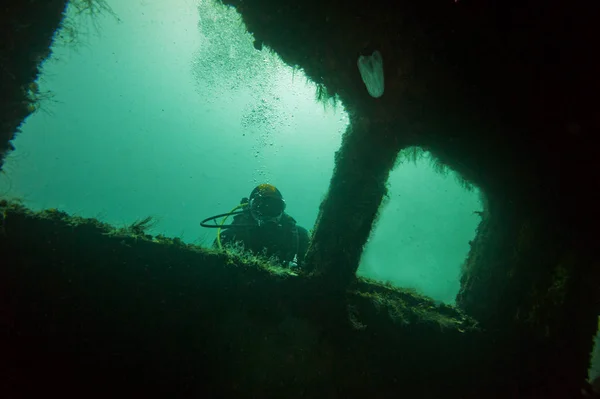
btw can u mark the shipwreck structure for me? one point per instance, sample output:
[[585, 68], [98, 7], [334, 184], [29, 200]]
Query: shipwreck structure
[[500, 93]]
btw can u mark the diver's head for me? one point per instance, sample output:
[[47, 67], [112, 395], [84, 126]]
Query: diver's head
[[266, 204]]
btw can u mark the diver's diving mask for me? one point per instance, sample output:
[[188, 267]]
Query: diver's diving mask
[[265, 209]]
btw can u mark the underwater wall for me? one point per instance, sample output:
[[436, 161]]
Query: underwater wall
[[28, 30], [470, 83], [93, 310]]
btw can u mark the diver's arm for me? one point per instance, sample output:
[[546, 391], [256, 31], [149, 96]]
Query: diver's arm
[[230, 235], [224, 238]]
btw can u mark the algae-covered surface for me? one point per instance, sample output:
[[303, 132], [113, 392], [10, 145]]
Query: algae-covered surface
[[89, 305]]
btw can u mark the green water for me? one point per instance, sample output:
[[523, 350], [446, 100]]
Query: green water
[[171, 112]]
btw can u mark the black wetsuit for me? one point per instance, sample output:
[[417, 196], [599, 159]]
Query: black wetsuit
[[284, 239]]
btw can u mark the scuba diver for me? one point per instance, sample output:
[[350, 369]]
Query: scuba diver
[[261, 226]]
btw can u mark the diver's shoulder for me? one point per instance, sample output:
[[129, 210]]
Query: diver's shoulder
[[286, 218], [303, 232]]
